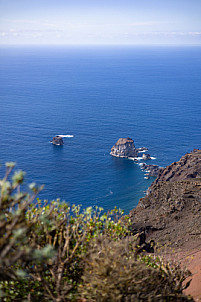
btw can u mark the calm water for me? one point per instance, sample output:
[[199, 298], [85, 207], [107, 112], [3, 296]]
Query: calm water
[[98, 95]]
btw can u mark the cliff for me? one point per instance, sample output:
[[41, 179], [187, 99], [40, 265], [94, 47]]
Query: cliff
[[171, 211], [189, 166], [124, 147]]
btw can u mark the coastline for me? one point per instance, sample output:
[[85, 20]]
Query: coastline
[[170, 215]]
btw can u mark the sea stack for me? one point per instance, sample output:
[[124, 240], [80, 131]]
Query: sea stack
[[124, 147], [57, 140]]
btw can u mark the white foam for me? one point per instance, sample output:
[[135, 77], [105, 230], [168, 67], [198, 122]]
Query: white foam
[[142, 151], [55, 144], [65, 135], [132, 158], [153, 157]]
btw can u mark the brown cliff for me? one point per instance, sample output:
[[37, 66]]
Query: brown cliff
[[171, 211], [189, 166]]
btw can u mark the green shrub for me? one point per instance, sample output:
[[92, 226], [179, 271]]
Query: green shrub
[[50, 251], [42, 244], [14, 226]]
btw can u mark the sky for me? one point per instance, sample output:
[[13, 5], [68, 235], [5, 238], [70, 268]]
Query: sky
[[100, 22]]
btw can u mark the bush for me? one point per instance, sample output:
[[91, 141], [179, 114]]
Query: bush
[[14, 226], [112, 273], [50, 251]]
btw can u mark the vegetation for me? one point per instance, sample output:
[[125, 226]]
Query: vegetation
[[50, 251]]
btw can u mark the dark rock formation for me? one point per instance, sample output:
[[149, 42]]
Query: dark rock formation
[[152, 170], [57, 140], [124, 147], [189, 166], [141, 244], [146, 156], [171, 210]]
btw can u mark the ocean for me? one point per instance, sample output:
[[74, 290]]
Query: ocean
[[97, 94]]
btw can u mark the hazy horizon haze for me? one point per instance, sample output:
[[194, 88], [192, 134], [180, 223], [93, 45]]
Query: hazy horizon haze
[[145, 22]]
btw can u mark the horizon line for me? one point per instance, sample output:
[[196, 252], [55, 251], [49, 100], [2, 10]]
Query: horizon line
[[105, 44]]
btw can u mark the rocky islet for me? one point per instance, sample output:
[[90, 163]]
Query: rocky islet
[[57, 141], [125, 148]]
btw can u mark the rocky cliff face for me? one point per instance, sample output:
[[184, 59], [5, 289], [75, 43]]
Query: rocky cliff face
[[152, 170], [171, 210], [124, 147], [189, 166]]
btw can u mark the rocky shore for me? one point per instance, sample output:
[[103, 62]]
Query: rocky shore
[[170, 214], [151, 170], [171, 210]]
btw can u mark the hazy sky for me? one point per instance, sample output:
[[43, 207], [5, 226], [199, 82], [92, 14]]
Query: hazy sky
[[100, 22]]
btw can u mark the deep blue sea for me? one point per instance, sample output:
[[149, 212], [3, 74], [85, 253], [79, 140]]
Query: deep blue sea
[[97, 94]]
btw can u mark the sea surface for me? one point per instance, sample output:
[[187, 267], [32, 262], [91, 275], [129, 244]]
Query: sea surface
[[97, 94]]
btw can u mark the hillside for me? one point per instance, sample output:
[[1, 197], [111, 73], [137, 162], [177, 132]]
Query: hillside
[[171, 210], [170, 214], [188, 167]]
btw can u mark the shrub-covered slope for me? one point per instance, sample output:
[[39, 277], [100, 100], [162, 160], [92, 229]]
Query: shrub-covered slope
[[50, 251]]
